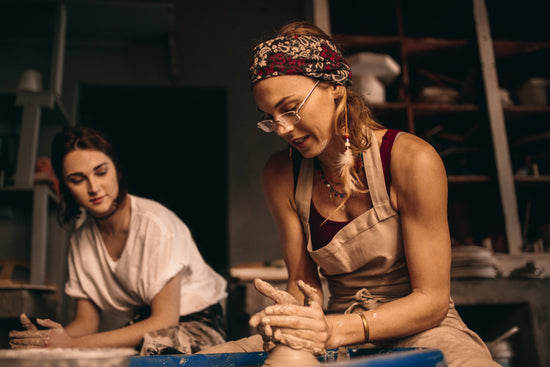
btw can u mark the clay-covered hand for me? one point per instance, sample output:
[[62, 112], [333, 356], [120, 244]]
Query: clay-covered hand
[[280, 297], [299, 327], [53, 336]]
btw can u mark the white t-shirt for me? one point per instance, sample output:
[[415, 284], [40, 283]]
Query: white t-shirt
[[159, 246]]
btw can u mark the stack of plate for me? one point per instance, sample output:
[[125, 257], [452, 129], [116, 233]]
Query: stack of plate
[[473, 262]]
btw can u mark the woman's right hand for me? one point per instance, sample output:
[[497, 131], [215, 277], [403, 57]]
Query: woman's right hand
[[280, 297], [32, 337], [287, 322]]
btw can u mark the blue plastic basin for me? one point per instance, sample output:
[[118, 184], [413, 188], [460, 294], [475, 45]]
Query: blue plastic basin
[[376, 357]]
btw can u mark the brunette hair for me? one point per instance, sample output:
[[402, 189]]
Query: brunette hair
[[80, 138], [360, 120]]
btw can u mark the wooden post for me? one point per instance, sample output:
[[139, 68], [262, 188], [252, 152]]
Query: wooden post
[[39, 235], [58, 52], [321, 15], [498, 128]]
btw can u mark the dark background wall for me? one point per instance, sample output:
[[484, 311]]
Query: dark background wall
[[168, 83], [216, 39]]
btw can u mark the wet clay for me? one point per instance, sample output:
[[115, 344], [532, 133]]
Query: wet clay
[[283, 356]]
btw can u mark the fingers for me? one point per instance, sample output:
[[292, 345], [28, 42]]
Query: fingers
[[27, 334], [269, 345], [49, 323], [277, 295], [294, 322], [28, 343], [256, 319], [300, 341], [312, 335], [299, 327], [265, 330], [26, 322], [291, 316], [17, 346], [314, 311], [310, 293], [39, 339]]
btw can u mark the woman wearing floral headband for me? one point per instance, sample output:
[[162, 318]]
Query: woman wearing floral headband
[[375, 227]]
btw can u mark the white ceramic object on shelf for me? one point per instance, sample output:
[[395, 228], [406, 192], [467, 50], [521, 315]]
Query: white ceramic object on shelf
[[371, 72], [30, 81]]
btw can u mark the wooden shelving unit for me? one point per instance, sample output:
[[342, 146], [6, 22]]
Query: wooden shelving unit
[[522, 53], [497, 154], [468, 134], [24, 113]]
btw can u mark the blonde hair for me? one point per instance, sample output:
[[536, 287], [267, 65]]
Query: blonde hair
[[352, 117]]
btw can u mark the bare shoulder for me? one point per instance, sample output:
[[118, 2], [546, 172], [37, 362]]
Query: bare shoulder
[[278, 164], [277, 173], [410, 152], [415, 164]]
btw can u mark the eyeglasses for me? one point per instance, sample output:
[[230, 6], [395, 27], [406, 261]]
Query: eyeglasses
[[289, 118]]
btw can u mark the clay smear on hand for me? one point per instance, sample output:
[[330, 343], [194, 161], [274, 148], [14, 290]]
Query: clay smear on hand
[[281, 355]]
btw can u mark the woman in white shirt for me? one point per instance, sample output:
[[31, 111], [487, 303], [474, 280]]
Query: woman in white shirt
[[130, 257]]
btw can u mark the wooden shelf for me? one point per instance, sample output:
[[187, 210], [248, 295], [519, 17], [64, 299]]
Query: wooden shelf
[[475, 51], [389, 106], [425, 108], [531, 180], [518, 112], [55, 111], [352, 41], [426, 45], [507, 48], [464, 179], [410, 45], [431, 109], [40, 200], [23, 197]]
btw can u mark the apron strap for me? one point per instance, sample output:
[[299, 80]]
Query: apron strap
[[304, 189], [375, 179], [366, 301]]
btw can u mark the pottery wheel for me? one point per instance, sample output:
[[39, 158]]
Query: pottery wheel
[[284, 356]]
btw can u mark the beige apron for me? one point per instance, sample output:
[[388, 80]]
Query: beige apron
[[365, 266]]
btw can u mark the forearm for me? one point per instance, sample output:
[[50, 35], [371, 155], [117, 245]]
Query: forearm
[[76, 329], [128, 336], [124, 337], [406, 316]]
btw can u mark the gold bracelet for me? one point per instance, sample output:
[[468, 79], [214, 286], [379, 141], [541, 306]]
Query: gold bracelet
[[365, 326]]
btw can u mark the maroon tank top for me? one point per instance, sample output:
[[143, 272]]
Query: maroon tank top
[[321, 235]]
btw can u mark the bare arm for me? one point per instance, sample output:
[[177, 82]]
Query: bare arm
[[419, 192], [164, 313], [86, 320], [278, 183], [82, 331]]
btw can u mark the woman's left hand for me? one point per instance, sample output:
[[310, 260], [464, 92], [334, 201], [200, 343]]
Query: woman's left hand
[[54, 336], [299, 327]]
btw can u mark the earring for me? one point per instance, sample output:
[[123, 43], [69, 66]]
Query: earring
[[347, 158], [347, 144]]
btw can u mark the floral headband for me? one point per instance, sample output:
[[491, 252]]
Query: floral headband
[[315, 57]]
